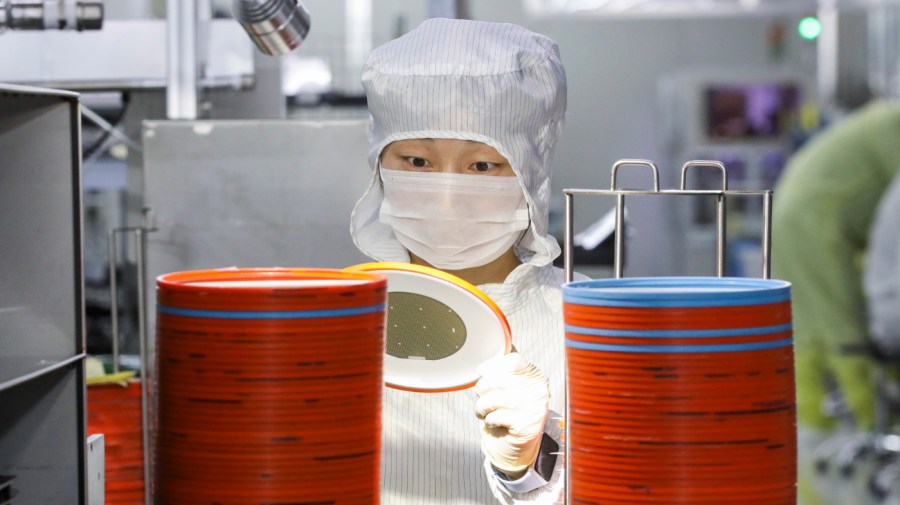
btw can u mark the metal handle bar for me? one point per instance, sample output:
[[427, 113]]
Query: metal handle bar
[[621, 163], [704, 163], [568, 253]]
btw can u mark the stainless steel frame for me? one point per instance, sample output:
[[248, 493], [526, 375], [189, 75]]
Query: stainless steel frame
[[620, 195]]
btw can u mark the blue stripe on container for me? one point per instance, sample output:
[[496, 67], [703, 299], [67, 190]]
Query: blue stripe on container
[[684, 301], [293, 314], [682, 349], [731, 332], [715, 292]]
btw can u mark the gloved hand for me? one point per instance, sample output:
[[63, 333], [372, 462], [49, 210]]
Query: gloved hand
[[513, 398]]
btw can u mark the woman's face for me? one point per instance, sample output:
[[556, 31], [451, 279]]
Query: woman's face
[[447, 156]]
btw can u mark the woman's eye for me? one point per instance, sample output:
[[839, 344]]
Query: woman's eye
[[483, 166], [417, 162]]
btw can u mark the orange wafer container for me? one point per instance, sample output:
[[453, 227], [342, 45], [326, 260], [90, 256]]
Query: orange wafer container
[[270, 386], [115, 411], [680, 391]]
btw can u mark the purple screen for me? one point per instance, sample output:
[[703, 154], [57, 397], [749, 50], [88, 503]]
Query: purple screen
[[746, 111]]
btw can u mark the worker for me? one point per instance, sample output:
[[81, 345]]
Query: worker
[[824, 207], [882, 275], [465, 117]]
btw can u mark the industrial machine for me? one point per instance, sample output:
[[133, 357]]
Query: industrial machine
[[746, 120]]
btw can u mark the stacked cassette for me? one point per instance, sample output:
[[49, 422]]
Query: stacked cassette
[[269, 386], [115, 412], [680, 391]]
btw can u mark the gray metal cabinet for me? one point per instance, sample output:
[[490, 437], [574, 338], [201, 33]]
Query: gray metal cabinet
[[42, 344]]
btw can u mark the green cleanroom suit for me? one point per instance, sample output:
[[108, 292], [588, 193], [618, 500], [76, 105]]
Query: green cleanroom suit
[[824, 205]]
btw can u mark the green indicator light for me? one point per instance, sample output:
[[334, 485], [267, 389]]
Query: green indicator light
[[809, 28]]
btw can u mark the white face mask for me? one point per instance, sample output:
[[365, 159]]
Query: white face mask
[[454, 221]]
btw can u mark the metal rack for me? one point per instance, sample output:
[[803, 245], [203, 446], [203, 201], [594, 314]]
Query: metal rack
[[621, 193], [42, 342]]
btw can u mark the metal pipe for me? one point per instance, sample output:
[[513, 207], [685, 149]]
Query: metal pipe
[[22, 15], [767, 235], [568, 243], [51, 15], [277, 27], [357, 39], [883, 22], [98, 120], [89, 15], [203, 38], [620, 235], [181, 48], [720, 235], [145, 362], [113, 295], [827, 48]]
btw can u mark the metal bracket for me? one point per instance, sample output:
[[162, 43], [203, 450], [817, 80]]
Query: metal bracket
[[720, 194]]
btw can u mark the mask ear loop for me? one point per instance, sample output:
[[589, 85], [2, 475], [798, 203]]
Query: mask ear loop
[[524, 230]]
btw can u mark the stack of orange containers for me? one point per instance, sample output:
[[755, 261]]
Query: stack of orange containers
[[681, 391], [270, 386], [115, 412]]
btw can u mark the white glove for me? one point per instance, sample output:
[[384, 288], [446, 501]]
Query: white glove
[[513, 397]]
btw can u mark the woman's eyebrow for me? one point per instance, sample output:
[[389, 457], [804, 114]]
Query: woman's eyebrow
[[416, 143]]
